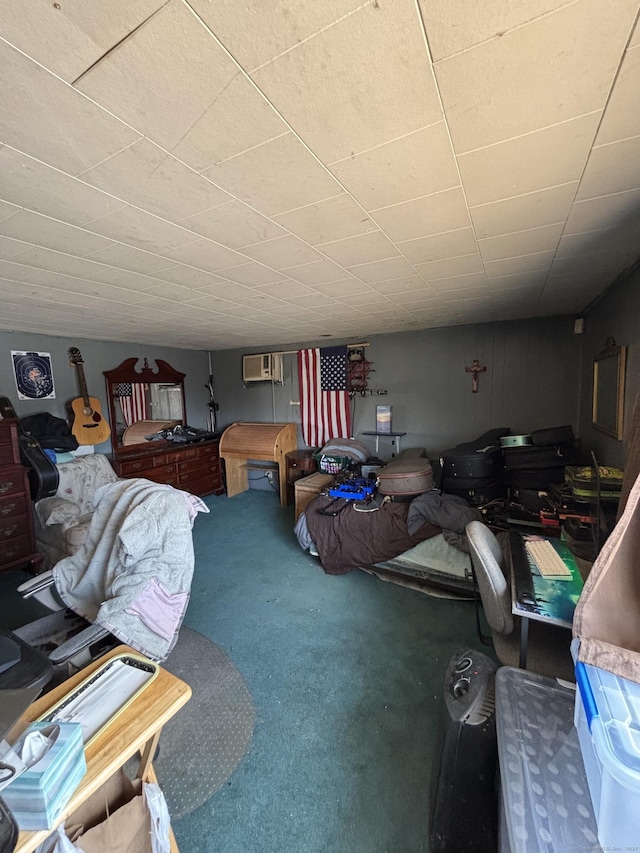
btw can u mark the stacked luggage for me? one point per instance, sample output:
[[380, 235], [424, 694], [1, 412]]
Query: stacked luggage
[[542, 463], [475, 470]]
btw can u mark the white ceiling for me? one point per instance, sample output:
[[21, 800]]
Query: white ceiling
[[246, 173]]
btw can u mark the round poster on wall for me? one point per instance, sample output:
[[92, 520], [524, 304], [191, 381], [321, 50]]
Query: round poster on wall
[[33, 375]]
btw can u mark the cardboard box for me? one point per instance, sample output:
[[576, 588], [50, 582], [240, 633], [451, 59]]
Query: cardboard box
[[37, 797]]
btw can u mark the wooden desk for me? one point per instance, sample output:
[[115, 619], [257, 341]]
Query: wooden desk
[[555, 599], [137, 729]]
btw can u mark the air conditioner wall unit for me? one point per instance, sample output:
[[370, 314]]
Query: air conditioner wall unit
[[262, 367]]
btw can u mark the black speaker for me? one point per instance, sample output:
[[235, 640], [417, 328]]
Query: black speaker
[[463, 808]]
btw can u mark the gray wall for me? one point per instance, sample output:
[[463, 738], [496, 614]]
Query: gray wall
[[617, 315], [98, 356], [532, 381]]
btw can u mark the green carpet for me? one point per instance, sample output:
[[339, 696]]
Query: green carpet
[[346, 677]]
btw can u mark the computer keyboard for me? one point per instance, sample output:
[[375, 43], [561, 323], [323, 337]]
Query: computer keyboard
[[548, 562]]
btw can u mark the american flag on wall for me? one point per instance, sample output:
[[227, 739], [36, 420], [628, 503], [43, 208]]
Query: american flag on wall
[[133, 401], [324, 398]]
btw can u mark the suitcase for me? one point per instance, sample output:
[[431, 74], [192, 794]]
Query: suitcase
[[537, 457], [552, 435], [405, 477], [584, 482], [534, 479], [480, 494], [465, 463], [469, 482], [531, 499]]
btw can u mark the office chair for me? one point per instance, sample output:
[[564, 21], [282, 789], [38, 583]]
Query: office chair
[[549, 645]]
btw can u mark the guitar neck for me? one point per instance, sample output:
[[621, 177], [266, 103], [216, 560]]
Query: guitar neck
[[84, 393]]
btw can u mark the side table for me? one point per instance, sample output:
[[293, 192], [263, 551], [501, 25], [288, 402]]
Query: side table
[[300, 463]]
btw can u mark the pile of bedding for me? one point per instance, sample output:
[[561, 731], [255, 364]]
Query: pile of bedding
[[353, 539]]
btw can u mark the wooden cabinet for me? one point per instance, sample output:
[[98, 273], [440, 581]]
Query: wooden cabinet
[[194, 467], [17, 539]]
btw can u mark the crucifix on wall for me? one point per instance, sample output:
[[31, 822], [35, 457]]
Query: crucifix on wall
[[475, 369]]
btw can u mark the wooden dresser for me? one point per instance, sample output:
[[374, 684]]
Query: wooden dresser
[[17, 538], [194, 467]]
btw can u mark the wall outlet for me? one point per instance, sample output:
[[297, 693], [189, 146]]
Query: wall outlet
[[270, 475]]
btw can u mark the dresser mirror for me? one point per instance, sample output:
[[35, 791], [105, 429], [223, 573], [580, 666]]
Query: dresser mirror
[[143, 401], [608, 389]]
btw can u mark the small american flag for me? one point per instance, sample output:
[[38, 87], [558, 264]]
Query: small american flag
[[133, 401], [324, 398]]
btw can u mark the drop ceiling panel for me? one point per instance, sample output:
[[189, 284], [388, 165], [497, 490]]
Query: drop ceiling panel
[[148, 177], [141, 229], [611, 168], [432, 214], [9, 248], [33, 227], [6, 209], [252, 274], [415, 165], [275, 177], [483, 89], [451, 244], [206, 255], [233, 224], [451, 267], [331, 219], [456, 25], [613, 209], [521, 243], [128, 258], [319, 272], [531, 210], [622, 116], [374, 246], [69, 37], [547, 158], [48, 191], [382, 270], [282, 252], [47, 119], [163, 77], [47, 259]]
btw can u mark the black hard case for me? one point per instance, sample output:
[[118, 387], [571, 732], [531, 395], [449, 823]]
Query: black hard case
[[534, 458], [552, 435]]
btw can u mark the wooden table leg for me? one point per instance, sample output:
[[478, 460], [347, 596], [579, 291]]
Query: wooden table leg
[[146, 756]]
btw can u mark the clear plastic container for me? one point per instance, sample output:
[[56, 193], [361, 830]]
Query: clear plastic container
[[607, 718]]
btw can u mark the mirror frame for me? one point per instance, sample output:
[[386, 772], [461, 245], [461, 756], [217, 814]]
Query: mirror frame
[[126, 372], [602, 420]]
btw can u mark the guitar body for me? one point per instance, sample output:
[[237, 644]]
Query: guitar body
[[42, 472], [89, 425]]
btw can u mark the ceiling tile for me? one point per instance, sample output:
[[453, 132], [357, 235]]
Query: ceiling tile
[[407, 168], [451, 244], [622, 117], [521, 243], [128, 279], [420, 296], [282, 252], [381, 270], [395, 286], [148, 177], [520, 213], [331, 219], [275, 177], [469, 281], [525, 263], [591, 214], [284, 289], [222, 131], [255, 32], [44, 231], [374, 94], [47, 119], [17, 272], [189, 276], [233, 224], [374, 246], [342, 287], [138, 228], [6, 209], [252, 273], [607, 241], [128, 258], [206, 255], [611, 168], [506, 283], [68, 38], [482, 88], [455, 25], [432, 214], [163, 77], [321, 272], [47, 259], [450, 267], [9, 248], [547, 158], [45, 190]]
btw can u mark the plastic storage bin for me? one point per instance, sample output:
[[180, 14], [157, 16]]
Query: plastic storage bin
[[607, 717]]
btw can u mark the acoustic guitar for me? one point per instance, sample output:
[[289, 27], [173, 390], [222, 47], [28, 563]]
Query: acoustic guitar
[[89, 426], [41, 471]]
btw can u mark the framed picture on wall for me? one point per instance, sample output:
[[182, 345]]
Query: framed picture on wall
[[33, 374], [383, 419]]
